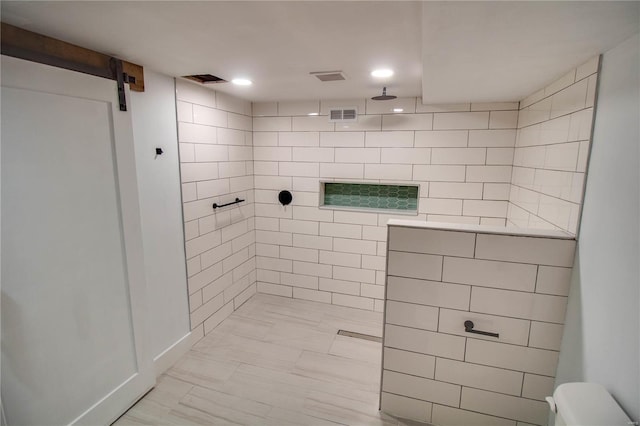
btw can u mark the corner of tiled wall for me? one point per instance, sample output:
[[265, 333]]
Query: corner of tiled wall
[[216, 165], [472, 162], [551, 152]]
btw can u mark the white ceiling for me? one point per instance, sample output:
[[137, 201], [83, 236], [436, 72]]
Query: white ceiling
[[494, 51], [448, 52]]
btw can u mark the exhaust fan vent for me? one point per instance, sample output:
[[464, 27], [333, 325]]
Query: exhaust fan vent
[[205, 78], [329, 75], [343, 114]]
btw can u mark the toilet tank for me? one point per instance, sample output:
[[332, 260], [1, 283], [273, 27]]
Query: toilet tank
[[586, 404]]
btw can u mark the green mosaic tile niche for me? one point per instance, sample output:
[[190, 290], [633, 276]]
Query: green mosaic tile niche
[[371, 196]]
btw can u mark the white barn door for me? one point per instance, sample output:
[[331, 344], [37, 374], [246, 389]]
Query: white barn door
[[74, 347]]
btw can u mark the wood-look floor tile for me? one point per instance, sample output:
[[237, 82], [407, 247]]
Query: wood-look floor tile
[[219, 413], [301, 384], [270, 312], [201, 369], [145, 412], [341, 321], [169, 391], [328, 410], [189, 416], [243, 326], [275, 361], [263, 390], [249, 351], [357, 349], [368, 408], [294, 336], [228, 400], [283, 417], [339, 370]]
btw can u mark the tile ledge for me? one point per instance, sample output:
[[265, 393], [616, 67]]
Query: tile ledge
[[483, 229]]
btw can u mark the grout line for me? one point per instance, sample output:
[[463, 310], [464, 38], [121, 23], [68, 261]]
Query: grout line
[[457, 360]]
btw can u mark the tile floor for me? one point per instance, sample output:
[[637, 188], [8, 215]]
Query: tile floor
[[275, 361]]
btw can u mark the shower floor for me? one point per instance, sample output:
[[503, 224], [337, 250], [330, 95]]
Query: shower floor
[[274, 361]]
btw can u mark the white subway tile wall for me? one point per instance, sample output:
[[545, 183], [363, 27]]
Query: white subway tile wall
[[475, 163], [215, 133], [460, 155], [433, 370], [551, 151]]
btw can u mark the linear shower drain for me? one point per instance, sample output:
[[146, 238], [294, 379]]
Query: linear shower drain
[[360, 336]]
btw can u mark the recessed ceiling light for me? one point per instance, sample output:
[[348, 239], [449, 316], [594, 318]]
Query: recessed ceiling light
[[382, 73], [241, 82], [398, 109], [313, 113]]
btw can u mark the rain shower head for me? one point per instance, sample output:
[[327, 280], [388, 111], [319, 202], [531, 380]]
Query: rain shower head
[[384, 96]]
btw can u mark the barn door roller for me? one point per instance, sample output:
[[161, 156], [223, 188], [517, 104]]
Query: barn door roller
[[121, 78]]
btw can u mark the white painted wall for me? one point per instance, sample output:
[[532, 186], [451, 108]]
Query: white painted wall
[[601, 339], [154, 125]]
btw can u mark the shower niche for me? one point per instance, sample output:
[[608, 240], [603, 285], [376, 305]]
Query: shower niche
[[378, 197]]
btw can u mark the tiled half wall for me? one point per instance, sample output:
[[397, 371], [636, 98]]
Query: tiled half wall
[[514, 285]]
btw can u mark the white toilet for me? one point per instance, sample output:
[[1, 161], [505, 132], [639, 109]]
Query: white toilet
[[586, 404]]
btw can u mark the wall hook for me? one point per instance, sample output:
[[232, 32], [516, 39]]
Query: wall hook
[[159, 151]]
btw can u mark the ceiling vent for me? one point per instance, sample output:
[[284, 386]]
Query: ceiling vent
[[329, 75], [205, 78], [343, 114]]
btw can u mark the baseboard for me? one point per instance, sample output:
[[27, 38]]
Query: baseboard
[[172, 354]]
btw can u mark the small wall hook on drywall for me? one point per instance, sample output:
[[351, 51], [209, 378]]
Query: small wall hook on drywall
[[285, 197], [159, 151]]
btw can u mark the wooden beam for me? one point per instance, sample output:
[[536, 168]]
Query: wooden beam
[[134, 70], [35, 47]]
